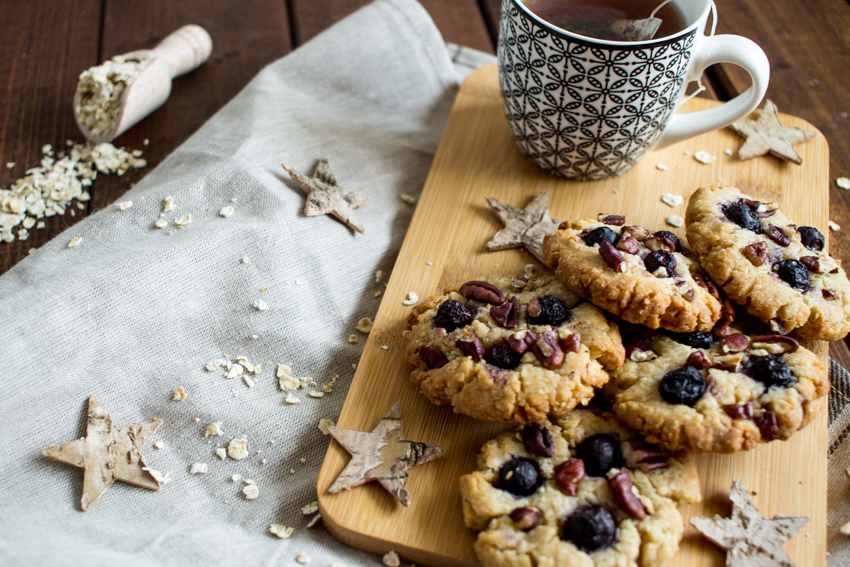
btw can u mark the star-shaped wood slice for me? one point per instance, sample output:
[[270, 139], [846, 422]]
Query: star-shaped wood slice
[[524, 227], [381, 454], [750, 540], [107, 454], [767, 134], [324, 196]]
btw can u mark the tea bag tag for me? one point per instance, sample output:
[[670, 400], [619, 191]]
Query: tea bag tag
[[636, 30]]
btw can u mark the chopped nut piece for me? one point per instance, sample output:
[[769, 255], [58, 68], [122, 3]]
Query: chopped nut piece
[[626, 493], [756, 253], [179, 394], [124, 205], [612, 257], [198, 468], [675, 220], [482, 291], [238, 449], [777, 235], [628, 244], [281, 531], [310, 508], [698, 360], [226, 212], [775, 344], [364, 325], [213, 430], [735, 342], [260, 305], [672, 200], [324, 424], [568, 475], [812, 263], [74, 242], [391, 559], [412, 298], [741, 411], [407, 199], [613, 220], [221, 452], [251, 492]]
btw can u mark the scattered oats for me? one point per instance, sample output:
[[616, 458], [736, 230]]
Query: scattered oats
[[226, 212], [251, 492], [291, 471], [124, 205], [236, 478], [328, 388], [146, 142], [316, 394], [303, 460], [310, 508], [302, 558], [672, 200], [235, 370], [183, 221], [324, 424], [687, 153], [703, 156], [412, 298], [843, 182], [245, 364], [353, 339], [291, 399], [81, 206], [47, 149], [260, 305], [364, 325], [212, 365], [32, 250], [379, 275], [299, 282], [199, 468], [727, 151], [248, 381], [159, 445], [385, 347], [263, 461], [101, 89], [675, 220], [238, 449], [10, 165], [314, 520], [40, 224], [378, 293], [73, 213], [179, 394], [28, 223], [213, 430], [167, 204], [281, 531], [391, 559], [407, 199], [75, 242], [258, 369], [221, 452], [834, 226], [161, 223], [661, 166], [137, 153]]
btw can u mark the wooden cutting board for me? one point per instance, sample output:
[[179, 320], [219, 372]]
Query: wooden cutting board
[[446, 241]]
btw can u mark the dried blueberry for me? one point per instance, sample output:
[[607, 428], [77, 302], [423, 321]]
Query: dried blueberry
[[696, 339], [553, 311], [770, 370], [451, 315], [671, 238], [590, 528], [502, 356], [811, 238], [660, 259], [538, 440], [683, 386], [742, 215], [597, 235], [600, 454], [794, 273], [520, 477]]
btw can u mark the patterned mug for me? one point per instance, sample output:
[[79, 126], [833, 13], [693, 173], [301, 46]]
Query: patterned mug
[[590, 109]]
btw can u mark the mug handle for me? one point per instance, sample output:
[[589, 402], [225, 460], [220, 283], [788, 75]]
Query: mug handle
[[723, 49]]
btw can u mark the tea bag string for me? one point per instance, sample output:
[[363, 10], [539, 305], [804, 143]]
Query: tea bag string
[[700, 86]]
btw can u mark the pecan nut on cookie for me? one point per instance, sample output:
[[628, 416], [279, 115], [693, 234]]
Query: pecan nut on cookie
[[698, 392], [508, 349], [776, 269], [583, 490], [636, 274]]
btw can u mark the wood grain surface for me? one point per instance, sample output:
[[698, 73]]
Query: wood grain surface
[[476, 158]]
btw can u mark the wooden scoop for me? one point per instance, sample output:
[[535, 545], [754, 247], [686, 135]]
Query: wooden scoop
[[182, 51]]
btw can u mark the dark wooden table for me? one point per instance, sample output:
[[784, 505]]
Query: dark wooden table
[[47, 43]]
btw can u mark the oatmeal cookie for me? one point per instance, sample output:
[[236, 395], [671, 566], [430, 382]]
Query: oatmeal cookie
[[641, 276], [510, 349], [774, 268], [583, 490], [698, 392]]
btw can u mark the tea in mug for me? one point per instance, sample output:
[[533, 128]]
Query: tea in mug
[[612, 20]]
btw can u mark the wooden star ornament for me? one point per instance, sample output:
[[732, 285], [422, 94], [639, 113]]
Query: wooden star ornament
[[108, 454], [750, 540], [767, 134], [523, 227], [324, 196], [381, 454]]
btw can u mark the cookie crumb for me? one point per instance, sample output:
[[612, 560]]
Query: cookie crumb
[[302, 558], [412, 298], [161, 223], [221, 453], [183, 221], [661, 166], [407, 199], [391, 559], [843, 182], [214, 430], [159, 445], [237, 449], [379, 275], [353, 339], [672, 200], [260, 305], [167, 204], [10, 165], [385, 347], [235, 370], [199, 468], [378, 293], [364, 325], [226, 212], [74, 242], [124, 205], [703, 156], [236, 478], [281, 531], [251, 492], [179, 394], [303, 460], [324, 423], [299, 282], [291, 399], [834, 226], [727, 151], [675, 220], [310, 508]]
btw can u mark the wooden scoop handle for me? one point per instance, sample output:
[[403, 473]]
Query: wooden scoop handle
[[184, 50]]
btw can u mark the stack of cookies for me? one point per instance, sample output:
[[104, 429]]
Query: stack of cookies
[[641, 351]]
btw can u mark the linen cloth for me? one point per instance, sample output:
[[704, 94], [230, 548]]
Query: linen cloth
[[134, 311]]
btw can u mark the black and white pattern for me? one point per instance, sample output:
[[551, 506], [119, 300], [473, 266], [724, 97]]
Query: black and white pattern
[[580, 109]]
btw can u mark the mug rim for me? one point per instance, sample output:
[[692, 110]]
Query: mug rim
[[621, 44]]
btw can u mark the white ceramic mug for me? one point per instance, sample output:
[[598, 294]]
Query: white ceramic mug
[[589, 109]]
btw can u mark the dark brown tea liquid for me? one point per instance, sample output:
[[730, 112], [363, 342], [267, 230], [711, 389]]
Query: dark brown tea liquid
[[593, 18]]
